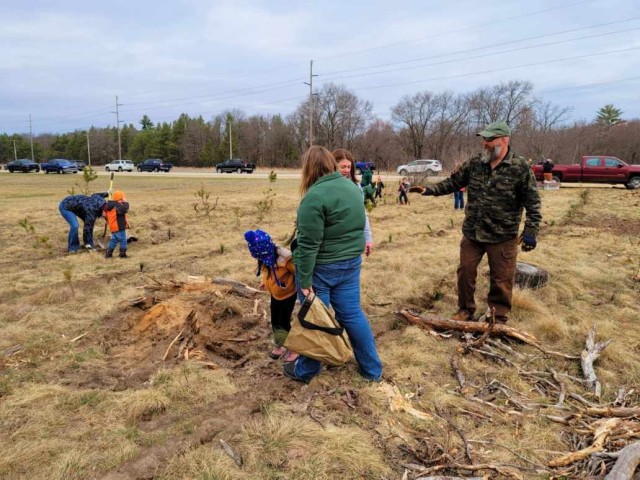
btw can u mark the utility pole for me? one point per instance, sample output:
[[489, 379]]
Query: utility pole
[[230, 141], [88, 149], [15, 151], [310, 83], [33, 157], [117, 112]]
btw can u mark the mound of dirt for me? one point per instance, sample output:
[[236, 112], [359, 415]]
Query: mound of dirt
[[219, 325], [201, 320]]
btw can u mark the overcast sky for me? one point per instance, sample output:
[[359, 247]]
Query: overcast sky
[[65, 61]]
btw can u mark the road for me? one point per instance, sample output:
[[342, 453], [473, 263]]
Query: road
[[185, 172]]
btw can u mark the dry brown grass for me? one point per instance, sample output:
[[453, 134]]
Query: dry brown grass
[[57, 422]]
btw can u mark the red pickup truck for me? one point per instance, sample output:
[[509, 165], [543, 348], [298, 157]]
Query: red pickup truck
[[595, 169]]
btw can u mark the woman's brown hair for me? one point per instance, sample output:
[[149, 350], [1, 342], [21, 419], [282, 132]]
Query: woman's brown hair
[[344, 154], [316, 162]]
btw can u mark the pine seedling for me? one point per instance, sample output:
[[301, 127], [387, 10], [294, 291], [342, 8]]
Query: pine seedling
[[68, 276]]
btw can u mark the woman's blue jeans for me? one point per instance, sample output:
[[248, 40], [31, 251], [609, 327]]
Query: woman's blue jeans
[[338, 285], [458, 201], [73, 243]]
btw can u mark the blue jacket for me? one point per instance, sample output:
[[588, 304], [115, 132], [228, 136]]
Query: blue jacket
[[89, 209]]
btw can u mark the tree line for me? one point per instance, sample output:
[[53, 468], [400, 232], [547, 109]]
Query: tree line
[[440, 125]]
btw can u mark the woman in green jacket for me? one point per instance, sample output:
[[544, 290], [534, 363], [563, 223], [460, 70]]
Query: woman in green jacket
[[330, 243]]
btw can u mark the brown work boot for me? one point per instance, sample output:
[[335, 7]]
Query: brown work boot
[[462, 316]]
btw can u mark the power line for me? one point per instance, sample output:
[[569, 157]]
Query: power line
[[247, 89], [589, 85], [489, 54], [439, 35], [482, 72], [391, 45], [226, 97], [535, 37], [212, 112]]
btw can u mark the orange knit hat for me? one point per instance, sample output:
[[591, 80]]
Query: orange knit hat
[[118, 196]]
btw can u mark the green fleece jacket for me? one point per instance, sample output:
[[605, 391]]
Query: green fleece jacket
[[330, 225]]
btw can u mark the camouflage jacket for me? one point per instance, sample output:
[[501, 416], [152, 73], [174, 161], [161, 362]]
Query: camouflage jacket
[[89, 209], [495, 198]]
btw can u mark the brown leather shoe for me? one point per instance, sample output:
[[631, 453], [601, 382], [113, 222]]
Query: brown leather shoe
[[462, 316]]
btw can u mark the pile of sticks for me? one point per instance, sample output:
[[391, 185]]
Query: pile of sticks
[[603, 437]]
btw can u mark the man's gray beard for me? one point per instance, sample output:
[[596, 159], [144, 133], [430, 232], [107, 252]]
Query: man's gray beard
[[490, 154]]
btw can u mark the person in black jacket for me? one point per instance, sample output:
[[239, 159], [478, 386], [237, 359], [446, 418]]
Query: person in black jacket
[[89, 209], [547, 170]]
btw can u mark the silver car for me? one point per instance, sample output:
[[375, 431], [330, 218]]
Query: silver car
[[430, 167], [119, 166]]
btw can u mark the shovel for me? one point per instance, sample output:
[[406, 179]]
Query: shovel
[[101, 240]]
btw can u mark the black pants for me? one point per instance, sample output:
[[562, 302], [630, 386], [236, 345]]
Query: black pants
[[281, 311]]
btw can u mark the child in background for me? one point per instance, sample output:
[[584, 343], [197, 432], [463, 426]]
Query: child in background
[[458, 199], [116, 212], [458, 195], [278, 278], [402, 191], [378, 187]]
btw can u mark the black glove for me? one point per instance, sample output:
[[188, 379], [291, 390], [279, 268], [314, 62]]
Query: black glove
[[529, 242]]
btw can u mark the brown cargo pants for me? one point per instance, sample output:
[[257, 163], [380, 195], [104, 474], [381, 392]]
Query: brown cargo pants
[[502, 268]]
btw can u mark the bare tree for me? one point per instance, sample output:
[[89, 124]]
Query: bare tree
[[548, 116], [507, 102], [451, 118], [380, 144], [413, 115], [339, 117]]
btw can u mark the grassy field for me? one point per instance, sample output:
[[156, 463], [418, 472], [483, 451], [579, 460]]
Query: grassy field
[[106, 405]]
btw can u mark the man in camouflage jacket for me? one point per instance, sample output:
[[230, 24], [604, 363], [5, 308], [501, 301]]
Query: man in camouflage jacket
[[499, 185]]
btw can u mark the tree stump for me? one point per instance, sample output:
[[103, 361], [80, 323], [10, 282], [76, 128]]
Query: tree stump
[[530, 276]]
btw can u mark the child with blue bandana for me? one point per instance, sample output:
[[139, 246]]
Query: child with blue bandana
[[278, 278]]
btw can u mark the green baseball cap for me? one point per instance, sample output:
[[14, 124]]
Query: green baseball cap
[[496, 129]]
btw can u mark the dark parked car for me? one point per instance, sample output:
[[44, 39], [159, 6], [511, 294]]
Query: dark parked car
[[154, 165], [59, 165], [235, 165], [23, 165], [80, 164]]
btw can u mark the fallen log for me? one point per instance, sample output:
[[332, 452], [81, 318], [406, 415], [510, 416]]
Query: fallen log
[[479, 327], [588, 356], [626, 464], [613, 411]]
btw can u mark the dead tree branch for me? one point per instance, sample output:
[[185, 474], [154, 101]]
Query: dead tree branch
[[602, 431], [588, 356], [452, 424], [626, 464], [428, 323], [238, 287], [563, 388], [455, 365]]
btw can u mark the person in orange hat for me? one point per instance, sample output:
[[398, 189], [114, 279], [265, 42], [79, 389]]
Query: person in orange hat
[[116, 212]]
